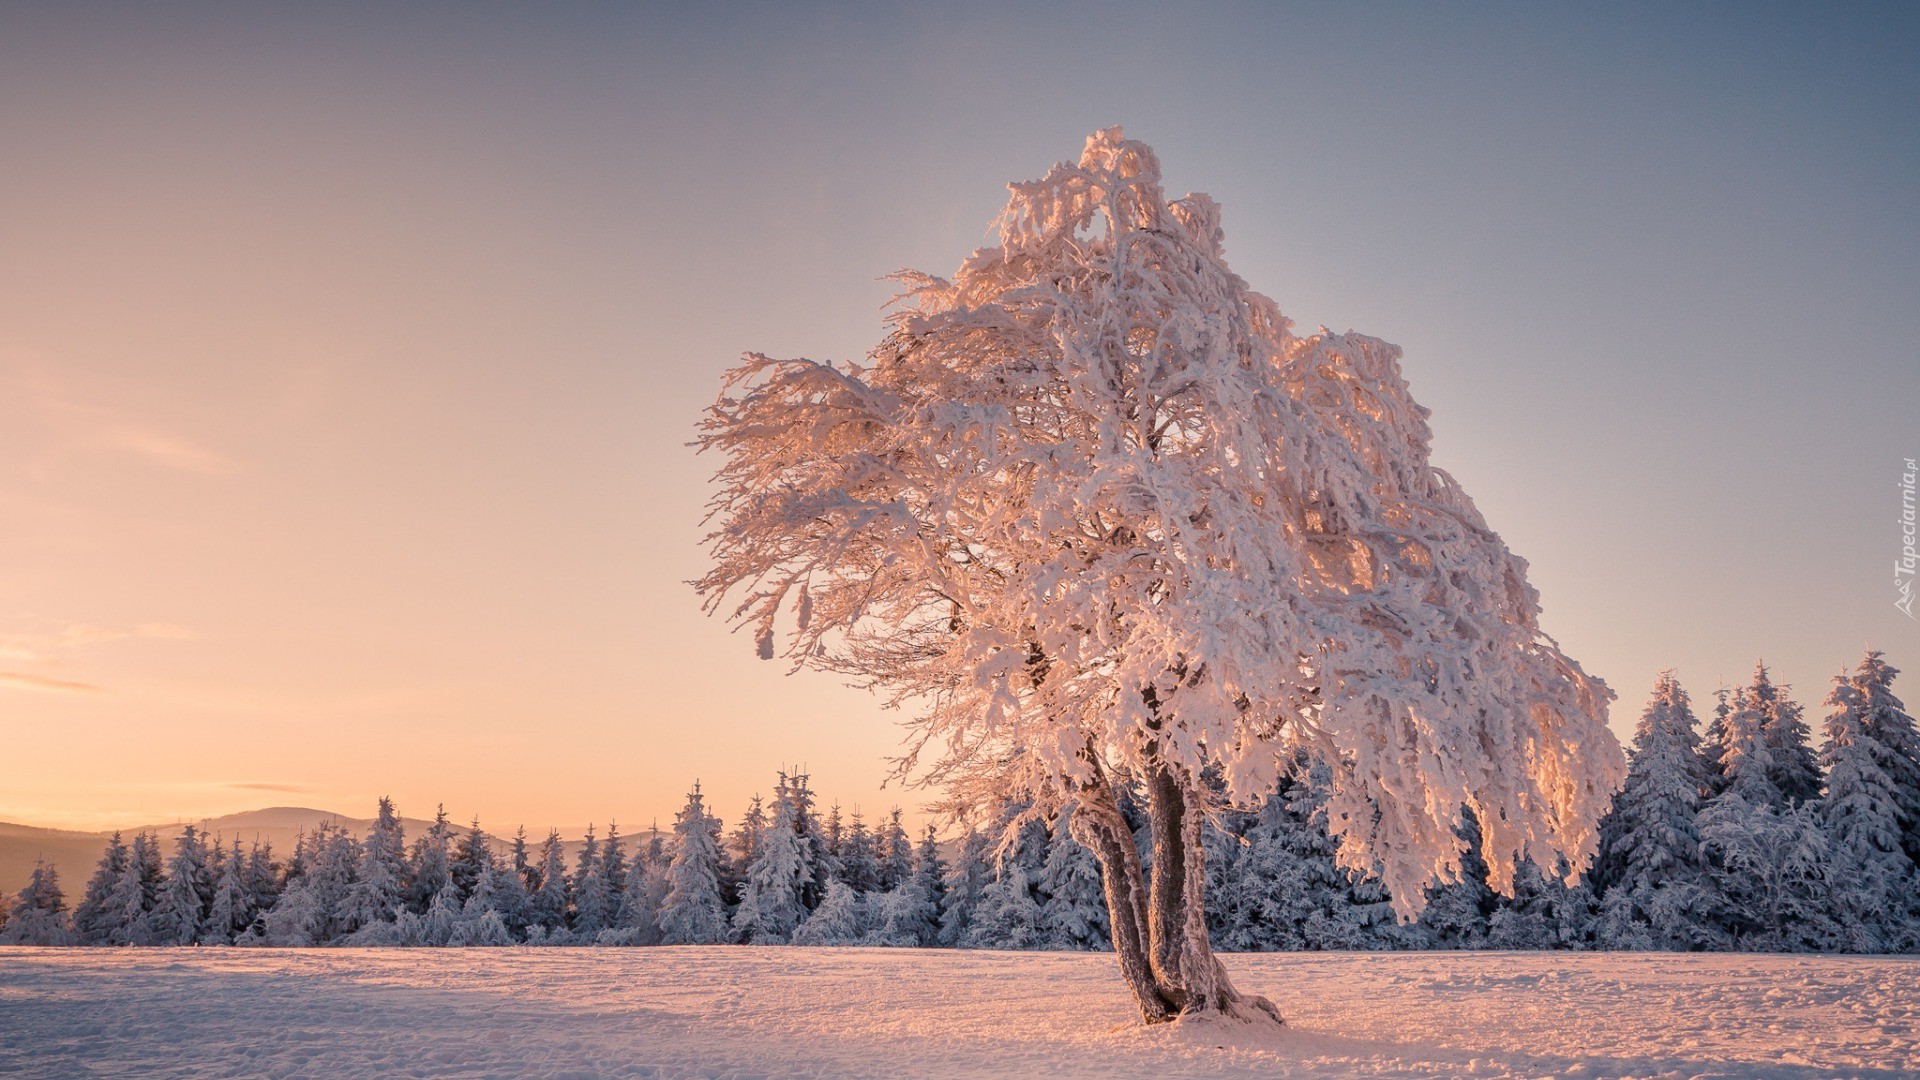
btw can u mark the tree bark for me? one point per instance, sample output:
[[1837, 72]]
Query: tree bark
[[1167, 892], [1098, 823], [1159, 924]]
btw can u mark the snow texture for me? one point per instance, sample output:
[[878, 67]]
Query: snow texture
[[790, 1012]]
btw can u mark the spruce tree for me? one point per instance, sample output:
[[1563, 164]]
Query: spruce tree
[[1008, 916], [431, 869], [613, 863], [472, 858], [182, 904], [263, 877], [1861, 813], [230, 912], [1887, 721], [929, 864], [480, 922], [907, 915], [39, 914], [1795, 769], [550, 900], [1648, 872], [1745, 753], [1457, 911], [895, 853], [379, 893], [1544, 912], [693, 912], [509, 897], [839, 920], [966, 886], [794, 790], [833, 835], [1284, 887], [520, 861], [641, 902], [743, 847], [1074, 912], [593, 903], [1765, 732], [773, 900], [1715, 741], [859, 865], [313, 909], [94, 919]]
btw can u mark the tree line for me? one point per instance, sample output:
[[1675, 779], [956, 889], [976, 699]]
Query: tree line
[[1739, 837]]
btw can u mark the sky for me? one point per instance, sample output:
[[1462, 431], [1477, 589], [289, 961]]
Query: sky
[[349, 358]]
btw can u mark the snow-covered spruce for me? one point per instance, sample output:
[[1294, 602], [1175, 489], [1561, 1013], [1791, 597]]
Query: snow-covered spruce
[[1648, 872], [1098, 515], [693, 912]]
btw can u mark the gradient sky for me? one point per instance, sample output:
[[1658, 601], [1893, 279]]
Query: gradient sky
[[347, 359]]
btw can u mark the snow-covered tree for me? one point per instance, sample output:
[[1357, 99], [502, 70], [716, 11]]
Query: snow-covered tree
[[431, 867], [312, 910], [1100, 518], [39, 912], [1885, 719], [794, 790], [509, 896], [481, 922], [692, 912], [907, 915], [1715, 740], [772, 901], [182, 904], [1795, 770], [94, 917], [472, 858], [1284, 887], [859, 866], [1074, 912], [263, 875], [966, 883], [1648, 872], [443, 914], [743, 847], [1764, 736], [613, 863], [1457, 910], [1765, 864], [1544, 912], [641, 901], [379, 893], [1745, 754], [594, 906], [895, 852], [1861, 812], [1008, 916], [231, 910], [833, 837], [550, 899], [841, 919]]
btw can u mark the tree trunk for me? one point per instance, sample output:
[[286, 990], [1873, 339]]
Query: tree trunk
[[1098, 823], [1159, 926]]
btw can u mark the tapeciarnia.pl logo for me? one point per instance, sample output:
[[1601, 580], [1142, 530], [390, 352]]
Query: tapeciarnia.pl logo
[[1903, 567]]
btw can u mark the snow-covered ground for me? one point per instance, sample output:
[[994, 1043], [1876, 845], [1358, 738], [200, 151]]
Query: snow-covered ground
[[791, 1012]]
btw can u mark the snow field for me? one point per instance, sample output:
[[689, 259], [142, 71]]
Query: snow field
[[730, 1013]]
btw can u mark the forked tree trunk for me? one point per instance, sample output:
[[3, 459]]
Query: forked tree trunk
[[1159, 926]]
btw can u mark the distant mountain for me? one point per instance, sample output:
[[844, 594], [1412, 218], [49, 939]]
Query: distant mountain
[[76, 853], [23, 845]]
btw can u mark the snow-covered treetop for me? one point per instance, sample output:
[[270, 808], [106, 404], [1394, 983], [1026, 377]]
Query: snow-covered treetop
[[1091, 504]]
